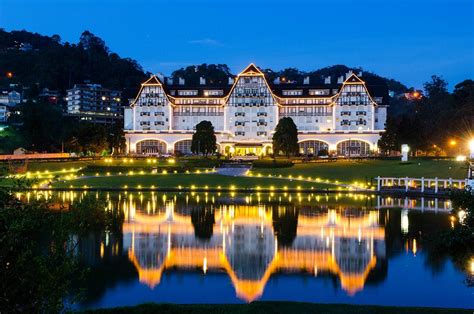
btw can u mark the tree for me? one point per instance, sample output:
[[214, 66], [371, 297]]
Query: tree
[[388, 139], [116, 138], [204, 139], [88, 138], [42, 125], [285, 139]]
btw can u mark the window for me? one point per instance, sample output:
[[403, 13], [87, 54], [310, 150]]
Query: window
[[191, 92], [213, 92], [318, 92], [293, 92]]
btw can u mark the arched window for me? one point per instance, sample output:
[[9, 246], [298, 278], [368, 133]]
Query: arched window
[[183, 147], [353, 148], [312, 147], [151, 147]]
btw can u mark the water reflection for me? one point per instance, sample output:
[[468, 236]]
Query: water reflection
[[251, 238]]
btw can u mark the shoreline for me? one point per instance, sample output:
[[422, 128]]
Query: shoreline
[[276, 307]]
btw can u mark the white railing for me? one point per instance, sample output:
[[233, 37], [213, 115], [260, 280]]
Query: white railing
[[422, 184], [428, 204]]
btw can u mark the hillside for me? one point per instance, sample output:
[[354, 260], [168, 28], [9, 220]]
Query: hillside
[[35, 59], [47, 61]]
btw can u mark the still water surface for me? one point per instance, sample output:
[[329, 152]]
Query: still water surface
[[221, 248]]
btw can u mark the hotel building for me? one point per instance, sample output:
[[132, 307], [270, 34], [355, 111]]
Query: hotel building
[[344, 117], [94, 103]]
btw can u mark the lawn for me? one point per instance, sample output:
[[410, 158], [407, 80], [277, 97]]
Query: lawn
[[349, 171], [187, 181]]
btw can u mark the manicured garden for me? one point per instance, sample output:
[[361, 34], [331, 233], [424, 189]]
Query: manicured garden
[[197, 173], [348, 171], [191, 180]]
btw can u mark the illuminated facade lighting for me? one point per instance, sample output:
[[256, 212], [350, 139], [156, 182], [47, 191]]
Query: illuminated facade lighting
[[343, 118]]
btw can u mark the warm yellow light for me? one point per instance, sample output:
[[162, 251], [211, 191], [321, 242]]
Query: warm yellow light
[[452, 142], [171, 161], [471, 145], [460, 158]]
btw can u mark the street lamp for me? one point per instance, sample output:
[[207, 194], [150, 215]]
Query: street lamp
[[471, 149], [405, 150]]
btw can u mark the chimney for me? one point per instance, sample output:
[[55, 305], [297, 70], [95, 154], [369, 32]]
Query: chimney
[[169, 81], [231, 80], [340, 79], [160, 76], [276, 80], [202, 81], [306, 80], [327, 80], [360, 73], [348, 74], [181, 81]]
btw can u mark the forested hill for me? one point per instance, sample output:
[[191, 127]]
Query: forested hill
[[36, 59]]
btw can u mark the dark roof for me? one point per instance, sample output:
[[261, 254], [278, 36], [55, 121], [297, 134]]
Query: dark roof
[[199, 88]]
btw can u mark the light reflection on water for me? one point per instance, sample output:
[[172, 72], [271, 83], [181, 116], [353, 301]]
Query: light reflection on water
[[347, 239]]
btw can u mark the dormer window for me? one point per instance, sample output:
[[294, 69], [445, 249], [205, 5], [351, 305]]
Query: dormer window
[[292, 92], [188, 92]]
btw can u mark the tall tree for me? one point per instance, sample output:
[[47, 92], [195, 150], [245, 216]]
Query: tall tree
[[204, 139], [285, 138], [42, 126], [116, 138]]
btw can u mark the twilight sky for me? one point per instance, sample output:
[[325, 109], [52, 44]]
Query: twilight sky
[[403, 39]]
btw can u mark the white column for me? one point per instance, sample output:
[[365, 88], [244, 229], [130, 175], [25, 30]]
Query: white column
[[436, 186], [423, 184], [378, 185], [406, 184]]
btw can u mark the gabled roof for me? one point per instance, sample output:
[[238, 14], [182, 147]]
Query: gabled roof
[[153, 80], [251, 69], [354, 79]]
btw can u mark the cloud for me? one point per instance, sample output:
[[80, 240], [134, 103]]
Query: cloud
[[205, 41]]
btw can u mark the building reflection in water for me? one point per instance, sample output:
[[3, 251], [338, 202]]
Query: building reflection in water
[[252, 237], [245, 243]]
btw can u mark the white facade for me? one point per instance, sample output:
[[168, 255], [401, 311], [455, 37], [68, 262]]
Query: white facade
[[345, 120], [3, 113]]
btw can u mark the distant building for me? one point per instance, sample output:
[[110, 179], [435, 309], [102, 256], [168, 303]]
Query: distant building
[[94, 103], [3, 113], [10, 98], [50, 96], [341, 115]]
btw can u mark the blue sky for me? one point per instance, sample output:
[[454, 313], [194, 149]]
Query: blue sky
[[402, 39]]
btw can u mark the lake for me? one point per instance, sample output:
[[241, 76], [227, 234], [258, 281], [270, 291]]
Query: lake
[[231, 248]]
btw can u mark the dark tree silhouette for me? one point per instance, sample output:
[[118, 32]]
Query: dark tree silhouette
[[204, 139], [285, 138]]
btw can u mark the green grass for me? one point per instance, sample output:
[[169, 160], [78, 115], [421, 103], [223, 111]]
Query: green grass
[[186, 180], [276, 307], [145, 164], [360, 170], [10, 139]]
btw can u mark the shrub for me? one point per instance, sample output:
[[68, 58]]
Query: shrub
[[272, 163]]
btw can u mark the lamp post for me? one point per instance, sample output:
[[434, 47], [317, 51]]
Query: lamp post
[[405, 150]]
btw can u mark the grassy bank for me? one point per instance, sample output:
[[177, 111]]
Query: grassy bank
[[186, 180], [359, 170], [276, 307]]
